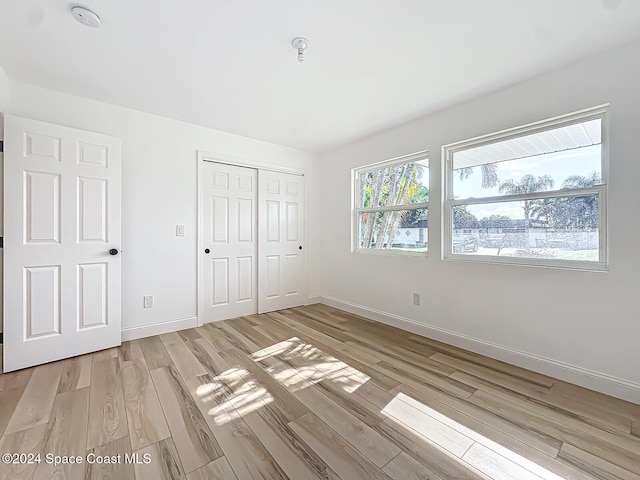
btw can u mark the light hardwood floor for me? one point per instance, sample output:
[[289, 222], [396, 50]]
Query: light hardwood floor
[[311, 392]]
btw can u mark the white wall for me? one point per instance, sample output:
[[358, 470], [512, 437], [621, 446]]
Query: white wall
[[4, 90], [159, 191], [582, 326]]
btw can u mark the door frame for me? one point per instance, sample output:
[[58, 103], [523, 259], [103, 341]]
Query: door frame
[[204, 156]]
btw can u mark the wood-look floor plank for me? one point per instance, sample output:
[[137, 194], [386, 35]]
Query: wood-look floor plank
[[507, 381], [234, 396], [131, 350], [15, 379], [106, 354], [604, 403], [184, 361], [154, 352], [441, 434], [598, 409], [635, 429], [66, 435], [292, 454], [403, 467], [614, 449], [106, 404], [418, 379], [192, 436], [485, 421], [217, 470], [496, 466], [145, 418], [76, 373], [8, 402], [352, 360], [246, 454], [164, 462], [594, 465], [374, 393], [400, 357], [119, 468], [214, 336], [330, 376], [623, 440], [27, 441], [435, 458], [334, 450], [37, 398], [362, 437]]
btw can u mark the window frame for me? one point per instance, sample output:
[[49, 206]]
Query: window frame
[[448, 151], [356, 211]]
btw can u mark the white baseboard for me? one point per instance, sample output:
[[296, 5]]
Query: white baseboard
[[601, 382], [142, 331], [314, 298]]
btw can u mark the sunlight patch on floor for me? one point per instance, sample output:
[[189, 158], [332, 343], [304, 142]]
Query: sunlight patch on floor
[[462, 443], [234, 394], [312, 366]]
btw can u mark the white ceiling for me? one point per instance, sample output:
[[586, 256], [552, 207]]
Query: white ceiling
[[229, 65]]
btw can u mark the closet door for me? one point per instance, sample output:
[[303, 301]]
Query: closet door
[[281, 279], [229, 241]]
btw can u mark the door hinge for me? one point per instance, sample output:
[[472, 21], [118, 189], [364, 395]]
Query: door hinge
[[1, 338], [1, 146], [1, 242]]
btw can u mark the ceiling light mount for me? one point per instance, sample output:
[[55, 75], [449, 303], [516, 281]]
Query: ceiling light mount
[[85, 16], [300, 44]]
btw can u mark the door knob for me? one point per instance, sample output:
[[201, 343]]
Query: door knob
[[113, 251], [300, 247], [206, 250]]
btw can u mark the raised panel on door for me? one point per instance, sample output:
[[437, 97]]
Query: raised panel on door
[[41, 207], [92, 295], [220, 284], [92, 210], [228, 203], [246, 276], [272, 289], [62, 216], [282, 282], [42, 300]]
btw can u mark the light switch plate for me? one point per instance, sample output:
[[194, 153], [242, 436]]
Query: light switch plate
[[148, 301], [179, 230]]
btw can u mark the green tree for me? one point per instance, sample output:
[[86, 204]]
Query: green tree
[[528, 184], [489, 174], [395, 185], [572, 212], [463, 218], [495, 221]]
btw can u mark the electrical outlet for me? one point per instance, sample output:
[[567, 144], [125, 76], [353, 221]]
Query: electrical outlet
[[416, 299], [148, 301], [179, 230]]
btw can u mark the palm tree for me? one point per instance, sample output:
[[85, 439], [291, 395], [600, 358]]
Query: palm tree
[[528, 184], [489, 174]]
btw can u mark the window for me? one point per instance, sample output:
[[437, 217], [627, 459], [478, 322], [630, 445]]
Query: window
[[534, 195], [391, 201]]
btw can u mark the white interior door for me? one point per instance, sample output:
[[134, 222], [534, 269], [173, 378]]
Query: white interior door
[[62, 218], [281, 281], [229, 241]]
